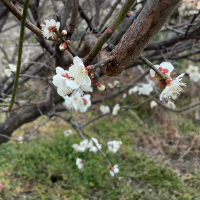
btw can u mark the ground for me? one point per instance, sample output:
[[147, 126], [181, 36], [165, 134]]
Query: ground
[[154, 162]]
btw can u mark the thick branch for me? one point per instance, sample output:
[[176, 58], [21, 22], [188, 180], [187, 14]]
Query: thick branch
[[145, 27]]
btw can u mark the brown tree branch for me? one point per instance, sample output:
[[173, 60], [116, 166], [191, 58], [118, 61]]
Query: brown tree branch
[[149, 22], [73, 20]]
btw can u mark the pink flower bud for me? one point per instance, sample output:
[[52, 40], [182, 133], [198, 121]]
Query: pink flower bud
[[92, 75], [100, 86], [64, 33], [128, 15], [63, 46], [68, 41], [110, 31]]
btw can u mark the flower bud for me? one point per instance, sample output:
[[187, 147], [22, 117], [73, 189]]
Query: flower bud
[[92, 75], [128, 15], [110, 31], [64, 33], [63, 46], [100, 86], [153, 104], [68, 41]]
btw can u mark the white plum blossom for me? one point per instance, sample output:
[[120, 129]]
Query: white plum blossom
[[124, 96], [173, 88], [79, 163], [110, 85], [145, 89], [79, 72], [115, 109], [77, 102], [116, 83], [114, 145], [192, 69], [68, 132], [7, 72], [166, 68], [65, 85], [12, 68], [48, 29], [193, 12], [94, 145], [82, 146], [133, 90], [114, 170], [104, 109], [85, 143], [153, 104], [78, 148], [193, 72], [170, 104], [195, 77]]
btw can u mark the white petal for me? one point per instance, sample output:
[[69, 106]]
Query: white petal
[[60, 70], [58, 25], [167, 65], [77, 61], [152, 72], [71, 84], [86, 88], [87, 81]]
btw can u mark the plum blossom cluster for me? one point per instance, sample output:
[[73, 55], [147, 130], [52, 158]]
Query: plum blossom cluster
[[93, 146], [114, 145], [171, 88], [50, 29], [144, 89], [72, 84], [114, 170], [106, 109], [68, 132], [193, 72]]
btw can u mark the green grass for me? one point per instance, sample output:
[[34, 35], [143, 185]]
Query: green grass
[[45, 168]]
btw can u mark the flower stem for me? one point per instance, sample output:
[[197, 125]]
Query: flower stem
[[63, 40], [146, 61], [98, 65]]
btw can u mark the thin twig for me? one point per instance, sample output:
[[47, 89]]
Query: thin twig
[[92, 120], [63, 40], [146, 61], [109, 14]]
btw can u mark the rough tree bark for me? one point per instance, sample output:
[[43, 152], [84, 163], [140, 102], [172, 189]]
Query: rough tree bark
[[144, 28]]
